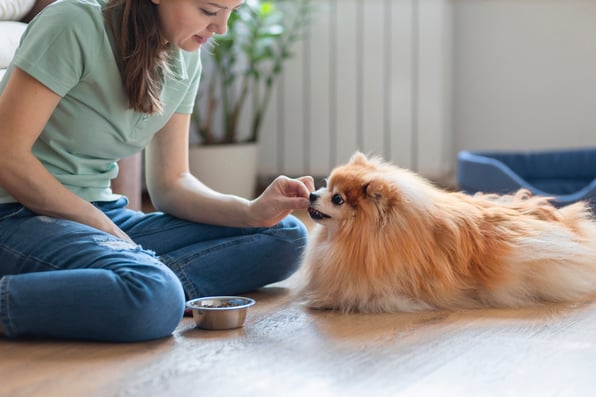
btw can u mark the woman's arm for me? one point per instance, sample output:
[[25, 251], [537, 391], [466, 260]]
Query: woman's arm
[[174, 190], [25, 107]]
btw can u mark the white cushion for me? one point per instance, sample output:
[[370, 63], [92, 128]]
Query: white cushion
[[14, 10], [10, 36], [2, 72]]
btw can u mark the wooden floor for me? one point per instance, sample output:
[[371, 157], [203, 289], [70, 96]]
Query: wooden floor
[[286, 350]]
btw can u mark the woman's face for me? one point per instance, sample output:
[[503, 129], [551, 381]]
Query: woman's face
[[187, 24]]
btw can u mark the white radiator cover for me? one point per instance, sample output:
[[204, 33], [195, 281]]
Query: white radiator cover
[[372, 75]]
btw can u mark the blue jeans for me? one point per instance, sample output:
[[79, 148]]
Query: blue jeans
[[67, 280]]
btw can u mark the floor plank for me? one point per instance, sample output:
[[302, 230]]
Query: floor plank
[[287, 350]]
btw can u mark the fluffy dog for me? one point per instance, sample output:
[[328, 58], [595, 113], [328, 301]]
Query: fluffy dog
[[387, 239]]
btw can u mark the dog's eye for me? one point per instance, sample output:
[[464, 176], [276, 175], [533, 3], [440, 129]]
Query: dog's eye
[[337, 199]]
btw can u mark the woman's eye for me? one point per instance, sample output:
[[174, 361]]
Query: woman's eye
[[337, 199], [208, 13]]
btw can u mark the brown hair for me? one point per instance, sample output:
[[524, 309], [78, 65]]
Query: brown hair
[[141, 50]]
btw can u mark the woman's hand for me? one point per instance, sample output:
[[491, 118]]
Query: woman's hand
[[279, 199], [102, 222]]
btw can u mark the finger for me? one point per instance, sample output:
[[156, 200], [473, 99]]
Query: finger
[[294, 203], [125, 237], [300, 187], [309, 182]]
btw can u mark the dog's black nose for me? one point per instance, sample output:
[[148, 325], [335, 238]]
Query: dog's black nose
[[313, 197]]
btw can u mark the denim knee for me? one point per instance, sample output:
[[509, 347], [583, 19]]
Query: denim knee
[[290, 247], [293, 231], [156, 308]]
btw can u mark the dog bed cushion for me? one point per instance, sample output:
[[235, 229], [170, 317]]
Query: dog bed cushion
[[567, 175]]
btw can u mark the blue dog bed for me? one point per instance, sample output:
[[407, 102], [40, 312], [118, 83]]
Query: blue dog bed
[[566, 175]]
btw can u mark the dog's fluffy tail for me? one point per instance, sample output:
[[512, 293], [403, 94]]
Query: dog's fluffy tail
[[556, 265]]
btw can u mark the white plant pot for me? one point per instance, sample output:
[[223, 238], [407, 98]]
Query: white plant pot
[[230, 168]]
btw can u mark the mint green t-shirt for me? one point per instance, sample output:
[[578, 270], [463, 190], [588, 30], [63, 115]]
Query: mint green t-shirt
[[67, 48]]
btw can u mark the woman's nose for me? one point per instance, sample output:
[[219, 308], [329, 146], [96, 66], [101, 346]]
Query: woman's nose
[[217, 28], [220, 26]]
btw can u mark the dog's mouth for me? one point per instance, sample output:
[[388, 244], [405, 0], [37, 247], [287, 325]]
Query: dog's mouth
[[316, 214]]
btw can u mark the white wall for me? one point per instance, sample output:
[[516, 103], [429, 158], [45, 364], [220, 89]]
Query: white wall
[[524, 74]]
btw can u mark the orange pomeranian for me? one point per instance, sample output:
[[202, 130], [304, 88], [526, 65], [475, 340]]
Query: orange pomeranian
[[388, 240]]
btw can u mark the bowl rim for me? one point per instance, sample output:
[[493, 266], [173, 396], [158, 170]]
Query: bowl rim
[[249, 302]]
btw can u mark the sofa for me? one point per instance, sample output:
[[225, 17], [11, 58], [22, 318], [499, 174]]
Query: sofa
[[14, 16], [12, 26]]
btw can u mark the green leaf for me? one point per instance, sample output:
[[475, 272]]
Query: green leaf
[[249, 56]]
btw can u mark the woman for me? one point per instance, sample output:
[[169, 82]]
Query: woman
[[92, 82]]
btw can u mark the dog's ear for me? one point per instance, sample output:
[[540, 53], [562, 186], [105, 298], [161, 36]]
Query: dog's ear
[[358, 158], [374, 189], [383, 196], [380, 189]]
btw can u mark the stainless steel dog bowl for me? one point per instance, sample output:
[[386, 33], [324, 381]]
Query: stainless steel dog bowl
[[220, 312]]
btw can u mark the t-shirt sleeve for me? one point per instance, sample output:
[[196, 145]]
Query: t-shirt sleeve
[[56, 47], [194, 72]]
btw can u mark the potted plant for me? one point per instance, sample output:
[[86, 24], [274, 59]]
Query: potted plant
[[239, 73]]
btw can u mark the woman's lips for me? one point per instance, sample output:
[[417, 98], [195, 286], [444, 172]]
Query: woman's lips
[[200, 39]]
